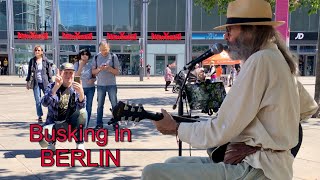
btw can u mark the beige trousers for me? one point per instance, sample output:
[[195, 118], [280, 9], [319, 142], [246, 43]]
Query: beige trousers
[[200, 168]]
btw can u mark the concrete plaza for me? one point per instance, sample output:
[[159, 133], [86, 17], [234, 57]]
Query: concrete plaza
[[20, 158]]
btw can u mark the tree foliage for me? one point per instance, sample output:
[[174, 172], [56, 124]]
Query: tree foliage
[[312, 5]]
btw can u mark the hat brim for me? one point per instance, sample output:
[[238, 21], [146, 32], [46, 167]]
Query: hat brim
[[67, 69], [267, 23]]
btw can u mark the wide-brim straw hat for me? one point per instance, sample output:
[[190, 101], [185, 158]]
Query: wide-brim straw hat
[[249, 12]]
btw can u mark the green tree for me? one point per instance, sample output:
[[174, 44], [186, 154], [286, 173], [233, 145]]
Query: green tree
[[313, 7]]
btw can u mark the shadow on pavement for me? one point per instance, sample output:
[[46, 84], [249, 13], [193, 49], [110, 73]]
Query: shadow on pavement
[[80, 173]]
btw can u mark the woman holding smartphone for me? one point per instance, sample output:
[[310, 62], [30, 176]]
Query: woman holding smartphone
[[83, 69]]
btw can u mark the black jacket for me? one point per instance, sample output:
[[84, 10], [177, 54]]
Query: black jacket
[[46, 72]]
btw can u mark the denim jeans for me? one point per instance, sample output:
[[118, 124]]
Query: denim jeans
[[79, 117], [112, 93], [37, 97], [89, 93]]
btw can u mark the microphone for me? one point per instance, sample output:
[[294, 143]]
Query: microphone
[[215, 49]]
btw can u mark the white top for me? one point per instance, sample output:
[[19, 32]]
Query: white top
[[263, 108]]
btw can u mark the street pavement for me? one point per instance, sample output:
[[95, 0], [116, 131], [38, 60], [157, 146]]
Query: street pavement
[[20, 158]]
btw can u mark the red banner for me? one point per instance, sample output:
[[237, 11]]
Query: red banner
[[166, 36], [282, 14], [33, 35], [76, 36], [122, 36]]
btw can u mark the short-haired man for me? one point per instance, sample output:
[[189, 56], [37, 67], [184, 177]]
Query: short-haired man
[[260, 115], [105, 67], [66, 103]]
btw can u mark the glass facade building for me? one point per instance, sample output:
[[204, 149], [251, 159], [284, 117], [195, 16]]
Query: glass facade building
[[63, 27]]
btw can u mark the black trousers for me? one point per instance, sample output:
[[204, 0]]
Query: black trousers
[[167, 84]]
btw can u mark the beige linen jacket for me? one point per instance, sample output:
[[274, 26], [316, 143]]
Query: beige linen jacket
[[263, 108]]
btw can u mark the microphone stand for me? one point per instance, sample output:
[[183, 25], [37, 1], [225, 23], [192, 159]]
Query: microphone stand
[[180, 103]]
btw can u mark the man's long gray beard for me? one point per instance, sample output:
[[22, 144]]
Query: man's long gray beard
[[240, 50]]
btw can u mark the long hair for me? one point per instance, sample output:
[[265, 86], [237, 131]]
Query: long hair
[[262, 35]]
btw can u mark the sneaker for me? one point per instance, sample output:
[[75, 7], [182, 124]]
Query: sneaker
[[52, 146], [98, 127], [40, 120]]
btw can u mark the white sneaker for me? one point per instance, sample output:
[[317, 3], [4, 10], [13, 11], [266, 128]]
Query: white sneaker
[[52, 146], [81, 146]]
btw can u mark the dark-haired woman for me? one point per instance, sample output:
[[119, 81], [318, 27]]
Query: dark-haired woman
[[38, 78], [83, 69]]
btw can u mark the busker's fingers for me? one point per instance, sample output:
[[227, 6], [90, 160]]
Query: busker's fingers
[[58, 72], [166, 115]]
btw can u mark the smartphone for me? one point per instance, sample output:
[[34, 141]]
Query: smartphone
[[77, 79]]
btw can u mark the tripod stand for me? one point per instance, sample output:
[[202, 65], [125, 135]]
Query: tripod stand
[[179, 101]]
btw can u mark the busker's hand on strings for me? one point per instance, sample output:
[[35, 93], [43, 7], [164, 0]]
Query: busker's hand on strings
[[167, 125]]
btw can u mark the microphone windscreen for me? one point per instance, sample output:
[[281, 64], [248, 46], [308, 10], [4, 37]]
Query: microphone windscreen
[[217, 48]]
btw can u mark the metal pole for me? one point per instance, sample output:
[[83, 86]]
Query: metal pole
[[188, 35], [144, 36], [99, 23], [10, 33], [55, 33]]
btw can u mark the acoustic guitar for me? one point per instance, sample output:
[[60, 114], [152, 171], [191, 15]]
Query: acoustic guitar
[[125, 112]]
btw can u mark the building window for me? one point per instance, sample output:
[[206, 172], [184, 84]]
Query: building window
[[166, 15], [301, 21], [77, 15], [124, 15], [308, 49], [68, 48], [3, 16], [3, 48], [32, 15], [161, 62], [91, 48], [293, 48]]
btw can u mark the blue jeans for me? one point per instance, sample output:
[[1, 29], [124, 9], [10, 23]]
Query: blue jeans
[[89, 93], [112, 93], [37, 97]]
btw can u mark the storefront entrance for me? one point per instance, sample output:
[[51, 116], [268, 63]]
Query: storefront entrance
[[307, 64], [161, 62]]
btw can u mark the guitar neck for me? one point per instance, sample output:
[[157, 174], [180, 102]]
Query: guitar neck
[[158, 116]]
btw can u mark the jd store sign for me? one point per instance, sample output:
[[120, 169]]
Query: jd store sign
[[311, 36]]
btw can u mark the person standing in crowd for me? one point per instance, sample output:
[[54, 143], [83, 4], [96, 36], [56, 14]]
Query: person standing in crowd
[[105, 66], [66, 101], [5, 67], [20, 73], [212, 72], [25, 69], [148, 71], [196, 70], [218, 72], [38, 78], [83, 68], [168, 77], [260, 115]]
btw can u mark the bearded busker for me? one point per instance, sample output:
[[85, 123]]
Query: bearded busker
[[260, 115]]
